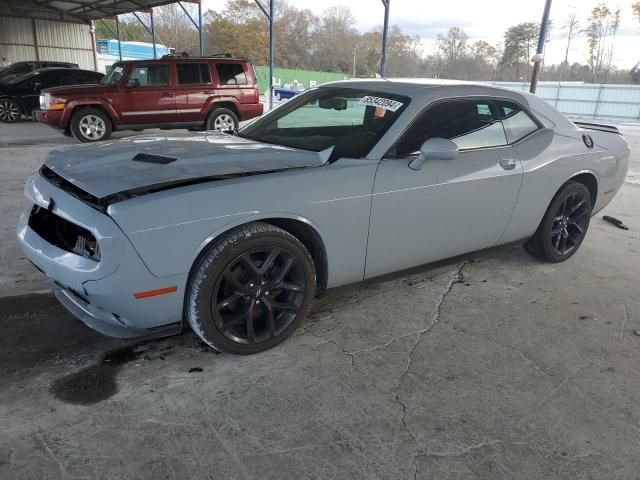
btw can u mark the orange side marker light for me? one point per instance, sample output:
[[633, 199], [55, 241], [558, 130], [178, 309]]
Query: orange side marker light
[[155, 293]]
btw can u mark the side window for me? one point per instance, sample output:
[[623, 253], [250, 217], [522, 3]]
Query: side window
[[47, 79], [517, 123], [468, 123], [22, 69], [150, 75], [231, 74], [193, 73]]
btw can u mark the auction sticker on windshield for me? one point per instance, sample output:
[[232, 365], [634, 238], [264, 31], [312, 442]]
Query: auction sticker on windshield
[[380, 102]]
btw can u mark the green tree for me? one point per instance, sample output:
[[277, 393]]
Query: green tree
[[519, 42]]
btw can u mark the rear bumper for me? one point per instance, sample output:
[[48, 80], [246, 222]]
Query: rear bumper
[[100, 293], [250, 110]]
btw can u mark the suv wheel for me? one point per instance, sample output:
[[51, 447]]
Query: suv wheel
[[90, 125], [221, 119], [10, 111]]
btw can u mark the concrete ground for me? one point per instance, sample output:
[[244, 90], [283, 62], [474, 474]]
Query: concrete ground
[[490, 366]]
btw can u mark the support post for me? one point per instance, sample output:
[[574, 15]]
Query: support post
[[153, 34], [118, 38], [92, 30], [269, 15], [541, 40], [270, 54], [200, 31], [385, 33], [35, 38]]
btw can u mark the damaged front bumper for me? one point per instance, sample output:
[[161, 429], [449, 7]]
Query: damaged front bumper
[[100, 290]]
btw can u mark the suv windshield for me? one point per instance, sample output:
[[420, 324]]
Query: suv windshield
[[349, 119], [114, 75]]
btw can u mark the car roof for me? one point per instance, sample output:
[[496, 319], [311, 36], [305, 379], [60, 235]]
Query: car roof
[[429, 89], [185, 59]]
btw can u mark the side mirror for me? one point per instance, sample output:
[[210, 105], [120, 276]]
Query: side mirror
[[435, 149], [133, 83]]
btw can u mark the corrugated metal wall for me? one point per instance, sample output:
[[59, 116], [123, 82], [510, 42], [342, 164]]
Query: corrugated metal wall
[[58, 41], [616, 103]]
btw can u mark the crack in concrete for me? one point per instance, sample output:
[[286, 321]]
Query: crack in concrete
[[435, 319], [564, 381], [459, 452]]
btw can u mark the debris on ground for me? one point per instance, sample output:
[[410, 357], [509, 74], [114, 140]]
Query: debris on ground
[[195, 369], [615, 221]]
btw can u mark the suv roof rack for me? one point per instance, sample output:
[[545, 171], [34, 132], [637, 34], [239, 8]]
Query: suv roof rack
[[172, 55], [186, 55]]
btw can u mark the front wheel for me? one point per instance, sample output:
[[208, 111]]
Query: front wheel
[[90, 125], [564, 225], [250, 289]]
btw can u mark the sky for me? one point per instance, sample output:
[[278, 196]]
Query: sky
[[486, 20]]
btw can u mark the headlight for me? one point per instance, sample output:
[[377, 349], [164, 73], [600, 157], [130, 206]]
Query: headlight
[[44, 100], [49, 102]]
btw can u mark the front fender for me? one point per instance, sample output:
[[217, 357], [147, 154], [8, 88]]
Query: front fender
[[73, 105]]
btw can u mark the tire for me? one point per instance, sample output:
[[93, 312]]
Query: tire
[[90, 125], [254, 273], [564, 225], [221, 119], [10, 111]]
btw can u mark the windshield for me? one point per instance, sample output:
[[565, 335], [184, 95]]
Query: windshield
[[349, 119], [114, 75]]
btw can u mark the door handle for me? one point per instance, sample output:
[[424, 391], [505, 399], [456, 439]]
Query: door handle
[[207, 92], [166, 94], [508, 163]]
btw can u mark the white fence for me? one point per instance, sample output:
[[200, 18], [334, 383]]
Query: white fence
[[614, 103]]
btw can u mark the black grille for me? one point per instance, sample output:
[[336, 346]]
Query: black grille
[[63, 234]]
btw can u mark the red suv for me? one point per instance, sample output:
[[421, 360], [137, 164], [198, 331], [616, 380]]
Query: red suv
[[214, 93]]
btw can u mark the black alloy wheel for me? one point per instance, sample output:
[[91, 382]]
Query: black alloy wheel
[[564, 225], [569, 224], [250, 289], [258, 295]]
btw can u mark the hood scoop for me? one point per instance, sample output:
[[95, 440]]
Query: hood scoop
[[153, 158]]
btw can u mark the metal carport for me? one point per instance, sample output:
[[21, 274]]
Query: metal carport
[[85, 11]]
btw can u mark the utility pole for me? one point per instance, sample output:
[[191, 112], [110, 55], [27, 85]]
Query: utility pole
[[537, 58], [385, 33]]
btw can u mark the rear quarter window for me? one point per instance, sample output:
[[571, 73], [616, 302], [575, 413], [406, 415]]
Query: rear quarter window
[[231, 74], [517, 123]]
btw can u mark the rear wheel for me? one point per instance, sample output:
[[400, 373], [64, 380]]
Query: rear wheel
[[10, 111], [90, 125], [251, 289], [222, 119], [564, 225]]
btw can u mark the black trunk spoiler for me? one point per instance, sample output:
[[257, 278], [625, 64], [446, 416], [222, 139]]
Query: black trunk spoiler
[[597, 126]]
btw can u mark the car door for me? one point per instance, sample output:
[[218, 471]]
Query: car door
[[148, 95], [448, 207], [194, 88], [32, 87]]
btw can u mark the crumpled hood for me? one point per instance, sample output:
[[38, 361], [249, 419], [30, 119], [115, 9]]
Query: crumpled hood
[[106, 168]]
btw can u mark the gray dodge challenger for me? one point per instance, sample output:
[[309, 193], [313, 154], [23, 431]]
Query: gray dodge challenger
[[235, 233]]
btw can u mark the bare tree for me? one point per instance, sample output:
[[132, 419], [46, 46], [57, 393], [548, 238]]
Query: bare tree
[[453, 45], [571, 25]]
